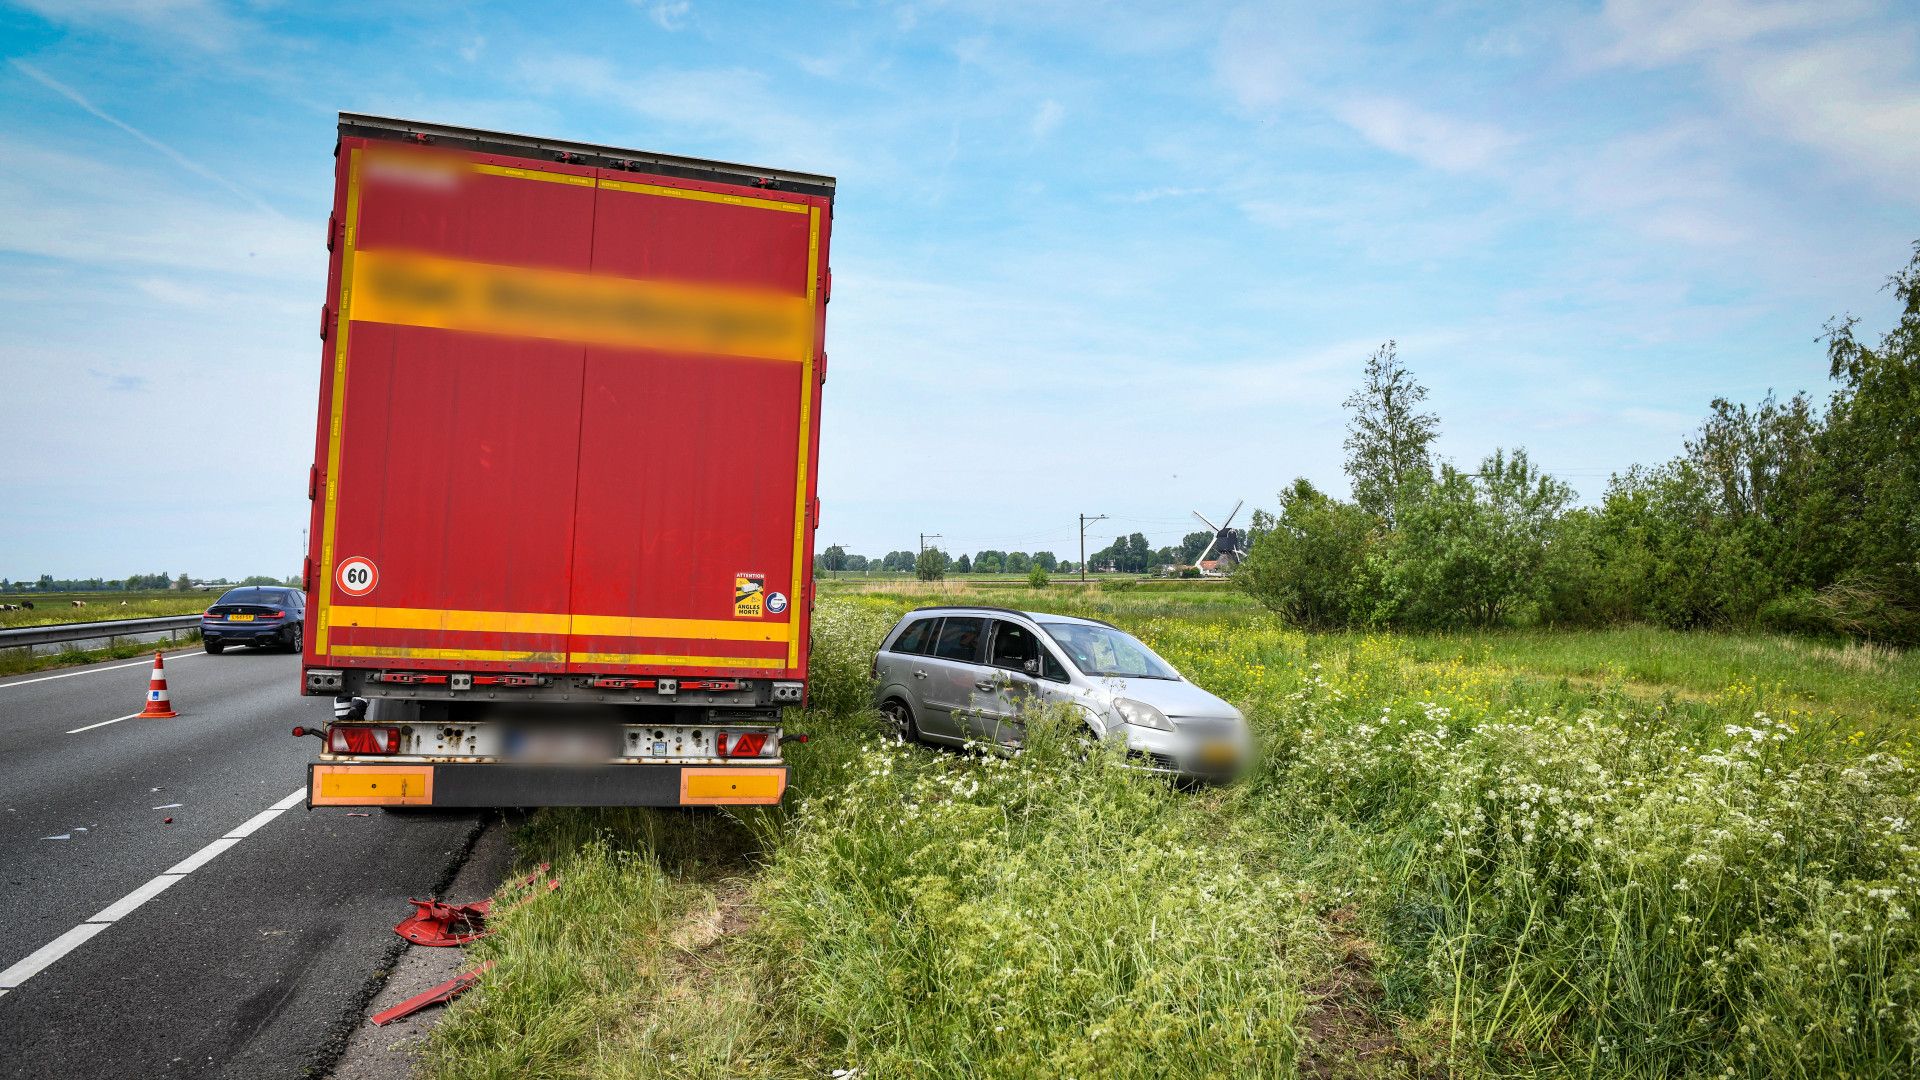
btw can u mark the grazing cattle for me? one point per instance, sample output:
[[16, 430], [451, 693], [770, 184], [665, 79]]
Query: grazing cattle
[[78, 603], [28, 604], [9, 607]]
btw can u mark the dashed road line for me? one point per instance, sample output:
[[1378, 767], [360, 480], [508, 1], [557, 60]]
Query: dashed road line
[[50, 953], [103, 723]]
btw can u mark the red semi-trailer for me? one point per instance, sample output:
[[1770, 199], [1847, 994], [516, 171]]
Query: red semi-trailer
[[564, 481]]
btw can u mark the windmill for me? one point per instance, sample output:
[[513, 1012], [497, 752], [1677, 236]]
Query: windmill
[[1224, 538]]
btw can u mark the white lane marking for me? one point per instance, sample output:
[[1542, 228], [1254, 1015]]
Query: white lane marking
[[202, 857], [183, 655], [119, 909], [255, 822], [45, 956], [103, 723]]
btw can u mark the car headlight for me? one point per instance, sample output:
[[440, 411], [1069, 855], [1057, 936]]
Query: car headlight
[[1141, 714]]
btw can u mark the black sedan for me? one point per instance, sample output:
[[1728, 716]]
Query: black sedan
[[255, 615]]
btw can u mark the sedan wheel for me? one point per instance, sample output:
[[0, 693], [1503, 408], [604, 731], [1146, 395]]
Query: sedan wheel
[[293, 643]]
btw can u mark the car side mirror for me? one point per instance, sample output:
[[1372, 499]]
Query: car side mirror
[[1031, 667]]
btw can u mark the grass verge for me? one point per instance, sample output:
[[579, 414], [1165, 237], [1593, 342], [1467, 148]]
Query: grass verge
[[1625, 853]]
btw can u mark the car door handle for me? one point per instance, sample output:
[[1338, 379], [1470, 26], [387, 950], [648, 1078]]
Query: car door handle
[[919, 674], [987, 683]]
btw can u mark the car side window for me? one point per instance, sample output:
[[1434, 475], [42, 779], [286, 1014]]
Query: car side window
[[1050, 668], [1013, 646], [916, 637], [960, 638]]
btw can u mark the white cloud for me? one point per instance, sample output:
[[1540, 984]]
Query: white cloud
[[669, 14], [80, 210], [203, 24], [1828, 74], [163, 149], [1447, 143], [1046, 118]]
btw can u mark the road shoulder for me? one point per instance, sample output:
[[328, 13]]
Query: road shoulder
[[390, 1053]]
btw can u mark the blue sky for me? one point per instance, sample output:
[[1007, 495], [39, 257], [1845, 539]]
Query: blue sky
[[1105, 257]]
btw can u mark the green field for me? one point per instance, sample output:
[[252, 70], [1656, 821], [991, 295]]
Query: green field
[[59, 607], [1622, 853]]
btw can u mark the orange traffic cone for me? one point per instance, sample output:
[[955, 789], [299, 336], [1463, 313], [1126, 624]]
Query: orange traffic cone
[[159, 707]]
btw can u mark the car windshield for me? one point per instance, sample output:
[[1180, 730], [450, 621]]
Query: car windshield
[[275, 597], [1102, 650]]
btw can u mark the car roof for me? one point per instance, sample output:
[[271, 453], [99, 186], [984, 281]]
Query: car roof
[[978, 609]]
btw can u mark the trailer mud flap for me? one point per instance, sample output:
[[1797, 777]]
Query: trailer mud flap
[[493, 784]]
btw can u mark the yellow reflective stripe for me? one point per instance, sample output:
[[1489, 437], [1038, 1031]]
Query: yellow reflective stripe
[[397, 652], [533, 174], [342, 325], [385, 652], [535, 622], [681, 661], [806, 441], [691, 629], [703, 196]]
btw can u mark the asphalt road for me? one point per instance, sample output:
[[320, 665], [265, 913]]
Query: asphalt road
[[258, 954]]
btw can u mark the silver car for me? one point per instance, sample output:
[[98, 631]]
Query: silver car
[[955, 675]]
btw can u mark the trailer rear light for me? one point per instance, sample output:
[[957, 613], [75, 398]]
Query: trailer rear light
[[360, 739], [745, 744]]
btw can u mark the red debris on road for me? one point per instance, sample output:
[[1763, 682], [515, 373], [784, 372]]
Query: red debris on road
[[446, 991]]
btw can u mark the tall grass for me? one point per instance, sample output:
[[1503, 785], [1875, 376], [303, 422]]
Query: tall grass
[[1625, 853]]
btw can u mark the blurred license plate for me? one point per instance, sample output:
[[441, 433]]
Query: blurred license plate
[[240, 618], [1220, 753]]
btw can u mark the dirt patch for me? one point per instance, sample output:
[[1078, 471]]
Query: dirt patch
[[1346, 1036]]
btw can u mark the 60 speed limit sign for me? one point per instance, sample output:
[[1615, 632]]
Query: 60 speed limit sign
[[357, 576]]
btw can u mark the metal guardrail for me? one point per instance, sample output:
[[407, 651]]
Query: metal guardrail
[[27, 637]]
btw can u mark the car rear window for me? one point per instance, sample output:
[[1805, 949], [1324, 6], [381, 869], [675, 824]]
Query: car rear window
[[915, 638], [960, 638], [255, 596]]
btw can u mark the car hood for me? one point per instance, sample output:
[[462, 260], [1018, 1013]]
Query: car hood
[[1174, 698]]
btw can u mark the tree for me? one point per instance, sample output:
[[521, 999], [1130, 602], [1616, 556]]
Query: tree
[[931, 565], [963, 565], [834, 558], [857, 563], [1387, 435], [1037, 577], [1018, 562], [183, 582], [1192, 544], [1046, 560], [1468, 548], [989, 562], [1309, 564]]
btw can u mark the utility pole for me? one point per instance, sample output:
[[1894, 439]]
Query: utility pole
[[1084, 522], [924, 537]]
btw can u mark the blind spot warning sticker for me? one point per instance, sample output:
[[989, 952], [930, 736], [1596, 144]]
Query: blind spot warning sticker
[[776, 603], [749, 595], [357, 576]]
